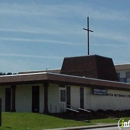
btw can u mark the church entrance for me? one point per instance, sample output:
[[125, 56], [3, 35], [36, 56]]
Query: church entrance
[[35, 99], [68, 100], [82, 97], [8, 99]]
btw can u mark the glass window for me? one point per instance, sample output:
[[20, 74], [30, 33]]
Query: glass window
[[127, 74], [122, 79], [62, 95], [118, 75]]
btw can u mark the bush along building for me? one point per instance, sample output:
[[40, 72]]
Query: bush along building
[[85, 82]]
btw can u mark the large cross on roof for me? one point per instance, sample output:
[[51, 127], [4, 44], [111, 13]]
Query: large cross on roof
[[88, 32]]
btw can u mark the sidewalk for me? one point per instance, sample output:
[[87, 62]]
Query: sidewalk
[[86, 127]]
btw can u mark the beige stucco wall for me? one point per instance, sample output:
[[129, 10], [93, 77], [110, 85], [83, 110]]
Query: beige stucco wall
[[41, 100], [24, 98], [110, 102], [75, 97], [121, 103], [54, 104], [94, 102], [88, 94], [122, 73], [103, 102]]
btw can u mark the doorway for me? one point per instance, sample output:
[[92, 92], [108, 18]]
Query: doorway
[[35, 99], [8, 99], [82, 97], [68, 93]]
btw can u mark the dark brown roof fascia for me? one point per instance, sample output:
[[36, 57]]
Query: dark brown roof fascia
[[62, 79], [22, 79], [82, 81]]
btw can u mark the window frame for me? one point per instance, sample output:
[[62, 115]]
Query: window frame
[[128, 74], [123, 80], [62, 98]]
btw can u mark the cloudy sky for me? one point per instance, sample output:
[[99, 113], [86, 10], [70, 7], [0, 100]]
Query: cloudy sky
[[38, 34]]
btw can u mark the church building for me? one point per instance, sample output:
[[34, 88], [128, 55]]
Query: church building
[[84, 82]]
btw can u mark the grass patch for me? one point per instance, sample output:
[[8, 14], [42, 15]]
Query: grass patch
[[105, 120], [35, 121]]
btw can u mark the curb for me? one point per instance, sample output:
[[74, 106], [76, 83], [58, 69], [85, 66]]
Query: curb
[[86, 127]]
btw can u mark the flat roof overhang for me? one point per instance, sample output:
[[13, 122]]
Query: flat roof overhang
[[61, 79]]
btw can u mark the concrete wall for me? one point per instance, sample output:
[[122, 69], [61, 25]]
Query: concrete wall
[[41, 94], [121, 103], [94, 102], [24, 97], [103, 102], [54, 104], [123, 74], [114, 102], [75, 97], [88, 94]]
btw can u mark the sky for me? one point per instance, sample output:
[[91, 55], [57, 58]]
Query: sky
[[38, 34]]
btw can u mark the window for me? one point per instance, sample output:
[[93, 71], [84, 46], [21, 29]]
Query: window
[[62, 95], [122, 79], [127, 74], [118, 75]]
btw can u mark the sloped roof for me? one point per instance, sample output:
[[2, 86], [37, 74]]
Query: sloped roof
[[92, 66], [122, 67], [61, 79]]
